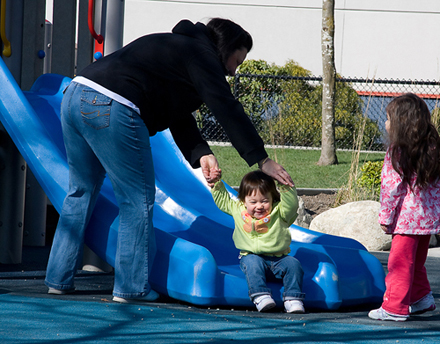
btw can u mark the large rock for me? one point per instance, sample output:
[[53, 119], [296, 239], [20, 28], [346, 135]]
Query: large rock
[[356, 220]]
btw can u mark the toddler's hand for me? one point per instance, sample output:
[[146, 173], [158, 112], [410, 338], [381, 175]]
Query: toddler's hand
[[215, 175]]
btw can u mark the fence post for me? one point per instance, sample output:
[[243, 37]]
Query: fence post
[[236, 85]]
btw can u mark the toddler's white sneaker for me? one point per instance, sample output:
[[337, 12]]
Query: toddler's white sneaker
[[264, 302], [294, 306]]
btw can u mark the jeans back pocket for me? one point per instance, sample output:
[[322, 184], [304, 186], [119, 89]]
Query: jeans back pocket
[[95, 109]]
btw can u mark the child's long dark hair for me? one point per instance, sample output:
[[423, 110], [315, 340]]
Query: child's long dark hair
[[414, 141], [258, 181]]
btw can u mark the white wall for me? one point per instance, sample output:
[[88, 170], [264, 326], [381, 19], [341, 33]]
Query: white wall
[[389, 39], [395, 39]]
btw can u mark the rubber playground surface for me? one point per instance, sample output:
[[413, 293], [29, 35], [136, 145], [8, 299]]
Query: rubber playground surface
[[29, 315]]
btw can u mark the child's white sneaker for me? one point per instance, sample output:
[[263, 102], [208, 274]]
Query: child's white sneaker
[[264, 302], [425, 304], [381, 314], [294, 306]]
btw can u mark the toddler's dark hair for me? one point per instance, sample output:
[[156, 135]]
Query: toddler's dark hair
[[414, 141], [258, 181]]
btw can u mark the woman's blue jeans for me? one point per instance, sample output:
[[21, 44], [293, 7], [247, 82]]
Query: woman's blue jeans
[[258, 267], [103, 136]]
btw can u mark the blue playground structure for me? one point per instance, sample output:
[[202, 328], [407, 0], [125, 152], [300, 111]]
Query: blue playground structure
[[196, 261]]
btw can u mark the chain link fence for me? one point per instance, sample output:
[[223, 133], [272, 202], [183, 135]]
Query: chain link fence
[[286, 110]]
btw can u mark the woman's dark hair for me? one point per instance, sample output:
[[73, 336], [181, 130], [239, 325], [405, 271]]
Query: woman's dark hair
[[258, 181], [228, 37], [414, 141]]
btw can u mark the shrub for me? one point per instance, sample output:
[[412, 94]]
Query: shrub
[[370, 176], [287, 111]]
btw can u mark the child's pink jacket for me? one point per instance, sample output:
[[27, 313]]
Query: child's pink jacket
[[406, 212]]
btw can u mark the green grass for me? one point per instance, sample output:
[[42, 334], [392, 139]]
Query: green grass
[[301, 165]]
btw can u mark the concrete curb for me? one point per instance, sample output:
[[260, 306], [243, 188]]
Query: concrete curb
[[312, 192], [434, 252], [308, 191]]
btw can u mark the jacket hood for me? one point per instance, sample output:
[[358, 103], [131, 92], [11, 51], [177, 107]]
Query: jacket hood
[[197, 31], [187, 28]]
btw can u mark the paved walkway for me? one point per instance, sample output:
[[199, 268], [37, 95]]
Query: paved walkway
[[29, 315]]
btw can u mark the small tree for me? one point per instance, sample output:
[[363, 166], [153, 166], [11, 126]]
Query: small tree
[[328, 147]]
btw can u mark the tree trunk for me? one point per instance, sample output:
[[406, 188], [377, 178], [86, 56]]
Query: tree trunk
[[328, 147]]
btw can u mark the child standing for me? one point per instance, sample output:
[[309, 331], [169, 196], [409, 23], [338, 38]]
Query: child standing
[[410, 206], [262, 218]]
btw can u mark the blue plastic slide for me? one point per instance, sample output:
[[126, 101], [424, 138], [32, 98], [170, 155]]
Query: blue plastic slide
[[196, 260]]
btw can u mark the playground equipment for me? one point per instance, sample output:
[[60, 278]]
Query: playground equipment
[[32, 46], [196, 260]]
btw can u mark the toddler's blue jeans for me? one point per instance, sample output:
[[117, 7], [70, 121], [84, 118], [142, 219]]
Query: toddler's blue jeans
[[288, 268]]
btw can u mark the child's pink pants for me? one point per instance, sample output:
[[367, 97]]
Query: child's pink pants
[[407, 281]]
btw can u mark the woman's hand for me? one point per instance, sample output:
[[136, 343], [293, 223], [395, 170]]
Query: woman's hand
[[210, 169], [276, 171]]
